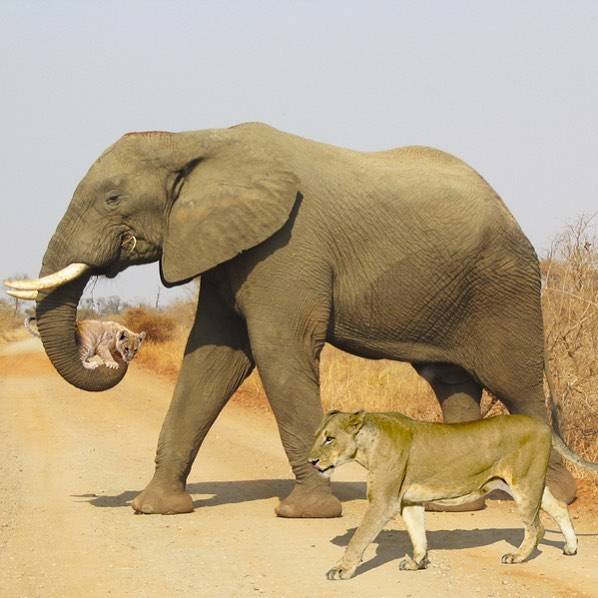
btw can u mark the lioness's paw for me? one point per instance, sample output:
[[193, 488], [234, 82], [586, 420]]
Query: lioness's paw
[[511, 557], [569, 551], [408, 564], [112, 365], [340, 572]]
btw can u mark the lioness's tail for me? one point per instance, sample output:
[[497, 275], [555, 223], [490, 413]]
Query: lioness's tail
[[27, 323], [557, 439]]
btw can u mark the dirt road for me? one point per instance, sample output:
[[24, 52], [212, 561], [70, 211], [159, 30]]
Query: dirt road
[[72, 462]]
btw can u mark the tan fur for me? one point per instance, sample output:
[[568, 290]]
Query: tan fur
[[410, 463], [100, 341]]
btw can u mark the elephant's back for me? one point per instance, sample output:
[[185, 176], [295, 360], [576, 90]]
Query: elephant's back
[[420, 251]]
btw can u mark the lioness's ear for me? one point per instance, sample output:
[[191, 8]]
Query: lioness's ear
[[226, 203], [326, 419], [355, 422], [142, 336]]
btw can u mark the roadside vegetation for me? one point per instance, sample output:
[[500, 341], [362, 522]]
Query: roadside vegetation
[[570, 306], [11, 322]]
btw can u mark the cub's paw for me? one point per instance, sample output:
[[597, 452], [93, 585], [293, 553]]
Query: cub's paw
[[408, 564], [511, 557], [569, 550], [112, 365], [90, 365], [341, 572]]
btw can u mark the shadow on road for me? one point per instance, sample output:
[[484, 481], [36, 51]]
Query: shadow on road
[[394, 544], [229, 492]]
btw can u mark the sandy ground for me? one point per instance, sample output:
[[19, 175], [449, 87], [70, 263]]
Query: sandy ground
[[72, 462]]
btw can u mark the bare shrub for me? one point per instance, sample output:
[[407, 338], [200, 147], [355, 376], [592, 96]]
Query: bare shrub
[[570, 305], [349, 383], [163, 358], [11, 321], [159, 326]]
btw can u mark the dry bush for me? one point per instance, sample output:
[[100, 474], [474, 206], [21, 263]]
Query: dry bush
[[159, 326], [570, 305], [167, 332], [164, 357], [11, 322], [350, 383]]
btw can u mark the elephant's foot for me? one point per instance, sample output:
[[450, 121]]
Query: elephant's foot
[[560, 482], [310, 500], [156, 499], [475, 505]]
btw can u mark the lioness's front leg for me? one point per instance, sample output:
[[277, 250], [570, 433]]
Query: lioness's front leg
[[107, 358], [413, 516], [375, 518]]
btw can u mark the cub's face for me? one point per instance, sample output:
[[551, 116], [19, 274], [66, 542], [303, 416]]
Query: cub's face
[[335, 442], [128, 343]]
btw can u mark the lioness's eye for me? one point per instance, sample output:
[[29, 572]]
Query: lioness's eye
[[328, 439]]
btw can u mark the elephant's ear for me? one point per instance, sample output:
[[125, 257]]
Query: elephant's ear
[[224, 207]]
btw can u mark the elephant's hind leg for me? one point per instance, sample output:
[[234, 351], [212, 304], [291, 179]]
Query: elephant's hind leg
[[459, 396], [457, 392], [217, 359]]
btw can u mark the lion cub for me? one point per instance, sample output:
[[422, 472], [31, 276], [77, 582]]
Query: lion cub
[[99, 340], [410, 463]]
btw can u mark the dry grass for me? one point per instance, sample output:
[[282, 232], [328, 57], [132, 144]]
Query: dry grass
[[163, 358], [167, 332], [570, 305], [159, 326], [11, 322]]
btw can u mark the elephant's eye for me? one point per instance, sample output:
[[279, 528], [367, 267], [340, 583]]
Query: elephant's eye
[[112, 199], [328, 439]]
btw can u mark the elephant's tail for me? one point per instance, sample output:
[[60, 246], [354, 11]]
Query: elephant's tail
[[27, 323], [557, 439]]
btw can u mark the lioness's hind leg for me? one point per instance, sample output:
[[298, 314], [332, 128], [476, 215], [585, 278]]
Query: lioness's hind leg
[[86, 355], [529, 506], [559, 512], [413, 517]]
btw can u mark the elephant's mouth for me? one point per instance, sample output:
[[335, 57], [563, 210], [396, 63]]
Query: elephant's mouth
[[134, 250]]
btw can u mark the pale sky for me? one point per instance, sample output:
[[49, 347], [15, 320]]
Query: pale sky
[[510, 87]]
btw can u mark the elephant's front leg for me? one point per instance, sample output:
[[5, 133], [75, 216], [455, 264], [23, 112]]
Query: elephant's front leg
[[289, 369], [217, 359]]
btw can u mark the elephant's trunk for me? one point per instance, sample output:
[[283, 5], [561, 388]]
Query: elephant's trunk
[[56, 314]]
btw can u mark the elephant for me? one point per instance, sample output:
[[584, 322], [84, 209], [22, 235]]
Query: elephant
[[406, 254]]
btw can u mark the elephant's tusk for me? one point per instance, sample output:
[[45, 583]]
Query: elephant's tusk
[[23, 295], [51, 281]]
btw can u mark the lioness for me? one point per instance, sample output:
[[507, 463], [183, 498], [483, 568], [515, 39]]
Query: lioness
[[410, 463]]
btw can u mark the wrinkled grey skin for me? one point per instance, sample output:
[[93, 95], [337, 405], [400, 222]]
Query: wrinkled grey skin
[[406, 254]]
